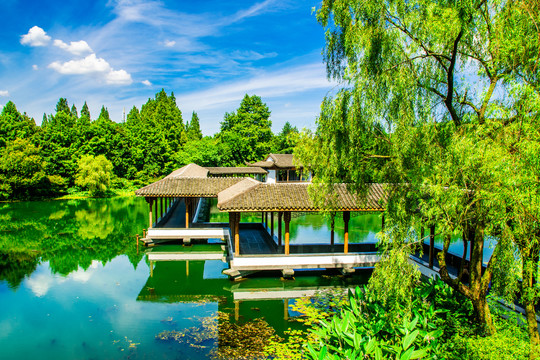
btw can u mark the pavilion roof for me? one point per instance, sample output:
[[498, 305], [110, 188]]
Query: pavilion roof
[[276, 161], [235, 170], [251, 195], [190, 171], [188, 186]]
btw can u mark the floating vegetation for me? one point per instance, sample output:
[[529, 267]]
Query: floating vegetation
[[196, 336], [243, 341], [234, 341], [122, 344]]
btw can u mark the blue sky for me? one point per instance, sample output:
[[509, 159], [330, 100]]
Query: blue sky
[[119, 53]]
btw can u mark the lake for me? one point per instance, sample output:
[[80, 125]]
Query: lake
[[73, 286]]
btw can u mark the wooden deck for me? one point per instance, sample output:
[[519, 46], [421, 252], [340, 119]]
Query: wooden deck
[[181, 253], [258, 250]]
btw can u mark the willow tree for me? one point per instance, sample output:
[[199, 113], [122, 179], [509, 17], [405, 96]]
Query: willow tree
[[430, 89]]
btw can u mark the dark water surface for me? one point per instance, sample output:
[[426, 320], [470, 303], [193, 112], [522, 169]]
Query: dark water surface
[[72, 285]]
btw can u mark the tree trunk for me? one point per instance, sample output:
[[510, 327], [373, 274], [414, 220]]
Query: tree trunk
[[476, 289], [528, 299], [532, 326], [483, 313]]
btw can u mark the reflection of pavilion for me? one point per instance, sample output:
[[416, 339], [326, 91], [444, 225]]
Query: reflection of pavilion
[[199, 281], [178, 201]]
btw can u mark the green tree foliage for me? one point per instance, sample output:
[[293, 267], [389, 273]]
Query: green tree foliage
[[85, 111], [193, 128], [204, 152], [21, 170], [62, 106], [286, 140], [434, 94], [94, 174], [246, 134], [151, 142], [74, 112], [439, 326], [56, 141], [13, 125]]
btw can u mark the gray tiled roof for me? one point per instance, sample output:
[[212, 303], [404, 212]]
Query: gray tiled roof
[[295, 197], [276, 161], [190, 170], [235, 170], [185, 186]]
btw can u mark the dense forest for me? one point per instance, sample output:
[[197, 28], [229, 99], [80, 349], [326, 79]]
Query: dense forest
[[71, 151]]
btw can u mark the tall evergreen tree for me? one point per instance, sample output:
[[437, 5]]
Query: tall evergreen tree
[[85, 111], [14, 125], [62, 106], [74, 111], [104, 114], [193, 128]]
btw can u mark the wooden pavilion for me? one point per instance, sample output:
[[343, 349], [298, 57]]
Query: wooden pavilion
[[239, 190]]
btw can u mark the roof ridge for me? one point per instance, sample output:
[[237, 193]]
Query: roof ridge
[[255, 185]]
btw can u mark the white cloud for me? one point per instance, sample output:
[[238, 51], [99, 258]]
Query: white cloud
[[88, 65], [40, 284], [35, 67], [93, 65], [74, 47], [118, 77], [170, 43], [146, 82], [4, 93], [36, 37]]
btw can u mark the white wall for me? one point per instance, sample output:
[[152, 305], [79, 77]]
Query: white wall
[[271, 177]]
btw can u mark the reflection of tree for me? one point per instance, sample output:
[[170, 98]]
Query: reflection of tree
[[93, 223], [15, 266], [68, 234]]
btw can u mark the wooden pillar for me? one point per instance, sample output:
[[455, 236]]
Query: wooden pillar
[[262, 217], [162, 212], [187, 212], [150, 217], [151, 269], [332, 224], [382, 222], [187, 268], [272, 224], [237, 234], [286, 309], [431, 245], [346, 218], [236, 310], [287, 221], [231, 224], [279, 216]]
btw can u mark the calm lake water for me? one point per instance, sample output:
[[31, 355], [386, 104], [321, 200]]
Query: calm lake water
[[72, 285]]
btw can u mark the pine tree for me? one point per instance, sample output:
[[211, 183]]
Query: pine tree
[[85, 111], [74, 111], [193, 128], [62, 106]]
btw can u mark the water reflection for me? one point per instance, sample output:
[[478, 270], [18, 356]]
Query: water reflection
[[68, 234], [202, 281]]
